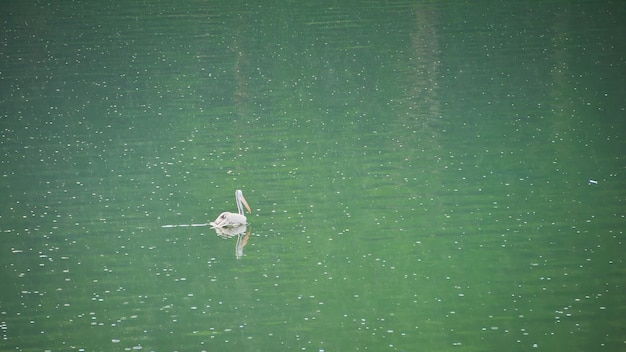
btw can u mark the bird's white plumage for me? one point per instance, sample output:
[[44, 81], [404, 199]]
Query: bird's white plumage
[[228, 219]]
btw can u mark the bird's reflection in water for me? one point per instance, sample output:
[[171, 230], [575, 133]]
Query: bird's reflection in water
[[240, 232]]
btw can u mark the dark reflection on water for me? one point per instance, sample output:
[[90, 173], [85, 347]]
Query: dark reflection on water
[[416, 178]]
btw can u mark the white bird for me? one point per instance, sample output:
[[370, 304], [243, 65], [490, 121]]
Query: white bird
[[228, 219]]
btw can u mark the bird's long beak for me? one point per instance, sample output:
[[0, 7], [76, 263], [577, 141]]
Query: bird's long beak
[[245, 204]]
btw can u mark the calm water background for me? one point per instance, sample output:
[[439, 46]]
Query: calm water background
[[418, 171]]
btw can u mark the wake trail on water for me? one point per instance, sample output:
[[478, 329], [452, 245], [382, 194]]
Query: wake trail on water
[[184, 225]]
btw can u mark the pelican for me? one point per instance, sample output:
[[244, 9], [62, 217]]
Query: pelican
[[228, 219]]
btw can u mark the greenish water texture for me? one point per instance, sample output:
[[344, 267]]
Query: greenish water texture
[[437, 176]]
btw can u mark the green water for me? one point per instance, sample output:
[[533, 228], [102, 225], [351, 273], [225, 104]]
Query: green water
[[419, 174]]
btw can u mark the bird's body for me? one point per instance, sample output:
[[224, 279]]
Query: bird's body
[[228, 219]]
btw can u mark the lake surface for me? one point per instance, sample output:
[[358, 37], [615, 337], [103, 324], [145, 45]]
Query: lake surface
[[423, 176]]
